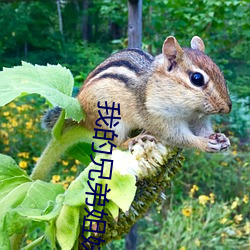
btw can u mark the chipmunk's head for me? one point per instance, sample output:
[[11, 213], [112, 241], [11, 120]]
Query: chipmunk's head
[[198, 77]]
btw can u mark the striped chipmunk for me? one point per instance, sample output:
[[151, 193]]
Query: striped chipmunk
[[168, 97]]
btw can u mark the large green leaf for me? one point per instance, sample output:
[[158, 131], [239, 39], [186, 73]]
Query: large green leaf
[[53, 82], [6, 186], [75, 194], [122, 186], [67, 225], [122, 190], [9, 168], [81, 151], [21, 198], [40, 193]]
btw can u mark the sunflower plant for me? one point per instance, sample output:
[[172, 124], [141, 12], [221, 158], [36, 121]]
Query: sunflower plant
[[29, 201]]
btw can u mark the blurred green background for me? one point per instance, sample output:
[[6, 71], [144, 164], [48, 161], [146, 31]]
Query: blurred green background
[[207, 206]]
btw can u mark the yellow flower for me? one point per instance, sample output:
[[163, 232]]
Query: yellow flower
[[77, 162], [35, 159], [245, 199], [70, 178], [29, 124], [247, 227], [6, 113], [187, 211], [4, 134], [12, 105], [65, 163], [14, 123], [224, 164], [235, 203], [193, 190], [55, 178], [73, 168], [183, 248], [211, 195], [24, 154], [23, 164], [65, 185], [197, 242], [23, 107], [238, 218], [234, 152], [203, 199], [223, 220], [6, 141]]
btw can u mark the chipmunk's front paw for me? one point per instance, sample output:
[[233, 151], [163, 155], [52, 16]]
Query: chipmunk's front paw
[[141, 139], [218, 142]]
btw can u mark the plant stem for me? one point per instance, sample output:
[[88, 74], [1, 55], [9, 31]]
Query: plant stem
[[56, 147], [52, 153]]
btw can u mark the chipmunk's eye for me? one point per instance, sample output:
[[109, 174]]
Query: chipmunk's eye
[[197, 79]]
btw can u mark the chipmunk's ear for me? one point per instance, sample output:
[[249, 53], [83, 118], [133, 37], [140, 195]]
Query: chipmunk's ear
[[171, 49], [197, 43]]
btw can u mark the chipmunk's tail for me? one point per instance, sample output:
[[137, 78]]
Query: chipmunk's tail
[[50, 117]]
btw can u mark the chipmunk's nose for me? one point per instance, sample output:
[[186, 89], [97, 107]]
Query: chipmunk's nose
[[227, 108]]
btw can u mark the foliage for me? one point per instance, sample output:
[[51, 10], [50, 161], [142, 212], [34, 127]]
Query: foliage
[[232, 166], [30, 32], [52, 82], [22, 137], [223, 25], [199, 223], [19, 127], [207, 206], [28, 199]]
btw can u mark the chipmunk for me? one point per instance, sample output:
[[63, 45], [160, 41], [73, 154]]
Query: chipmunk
[[170, 96]]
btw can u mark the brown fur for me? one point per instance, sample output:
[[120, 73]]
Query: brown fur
[[156, 95]]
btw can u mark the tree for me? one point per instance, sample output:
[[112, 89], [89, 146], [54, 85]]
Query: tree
[[134, 23]]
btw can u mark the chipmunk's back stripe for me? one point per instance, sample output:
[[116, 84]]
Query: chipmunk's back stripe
[[118, 63], [118, 77], [142, 53]]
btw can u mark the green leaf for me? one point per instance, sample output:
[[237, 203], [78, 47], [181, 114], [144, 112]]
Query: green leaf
[[75, 194], [81, 151], [9, 221], [14, 198], [9, 184], [67, 225], [13, 223], [53, 82], [20, 197], [39, 194], [4, 240], [9, 168], [48, 217], [50, 234], [113, 209], [122, 189], [27, 200]]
